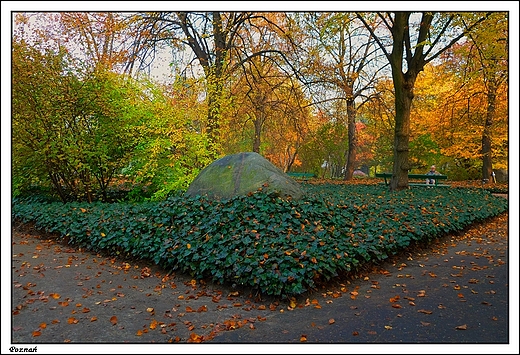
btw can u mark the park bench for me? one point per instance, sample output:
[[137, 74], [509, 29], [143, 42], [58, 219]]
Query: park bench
[[302, 176], [423, 177]]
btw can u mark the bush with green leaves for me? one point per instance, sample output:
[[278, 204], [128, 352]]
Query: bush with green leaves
[[277, 246]]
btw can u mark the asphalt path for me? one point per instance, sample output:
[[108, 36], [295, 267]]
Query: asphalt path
[[453, 294]]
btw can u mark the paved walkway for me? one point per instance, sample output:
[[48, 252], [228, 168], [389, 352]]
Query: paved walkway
[[455, 291]]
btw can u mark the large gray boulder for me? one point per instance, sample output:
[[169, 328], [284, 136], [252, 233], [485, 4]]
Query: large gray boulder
[[240, 174]]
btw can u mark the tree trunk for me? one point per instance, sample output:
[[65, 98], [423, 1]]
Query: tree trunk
[[258, 122], [352, 141], [487, 163], [213, 124], [403, 103]]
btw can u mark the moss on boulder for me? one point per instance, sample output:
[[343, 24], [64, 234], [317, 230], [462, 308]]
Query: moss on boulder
[[242, 173]]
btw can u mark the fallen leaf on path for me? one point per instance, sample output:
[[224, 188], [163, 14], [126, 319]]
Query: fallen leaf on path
[[461, 327], [424, 311], [113, 320]]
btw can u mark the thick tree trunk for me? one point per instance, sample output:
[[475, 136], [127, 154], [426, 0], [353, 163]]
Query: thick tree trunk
[[403, 103]]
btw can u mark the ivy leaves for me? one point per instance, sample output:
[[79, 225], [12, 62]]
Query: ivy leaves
[[280, 247]]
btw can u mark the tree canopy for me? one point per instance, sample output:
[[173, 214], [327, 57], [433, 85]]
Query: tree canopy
[[322, 92]]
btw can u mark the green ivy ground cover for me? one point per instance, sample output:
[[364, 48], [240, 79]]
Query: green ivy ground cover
[[276, 246]]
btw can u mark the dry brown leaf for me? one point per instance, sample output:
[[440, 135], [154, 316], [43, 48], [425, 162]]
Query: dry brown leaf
[[113, 320], [461, 327], [394, 299], [424, 311]]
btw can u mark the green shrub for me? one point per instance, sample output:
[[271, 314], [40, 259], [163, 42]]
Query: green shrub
[[280, 247]]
